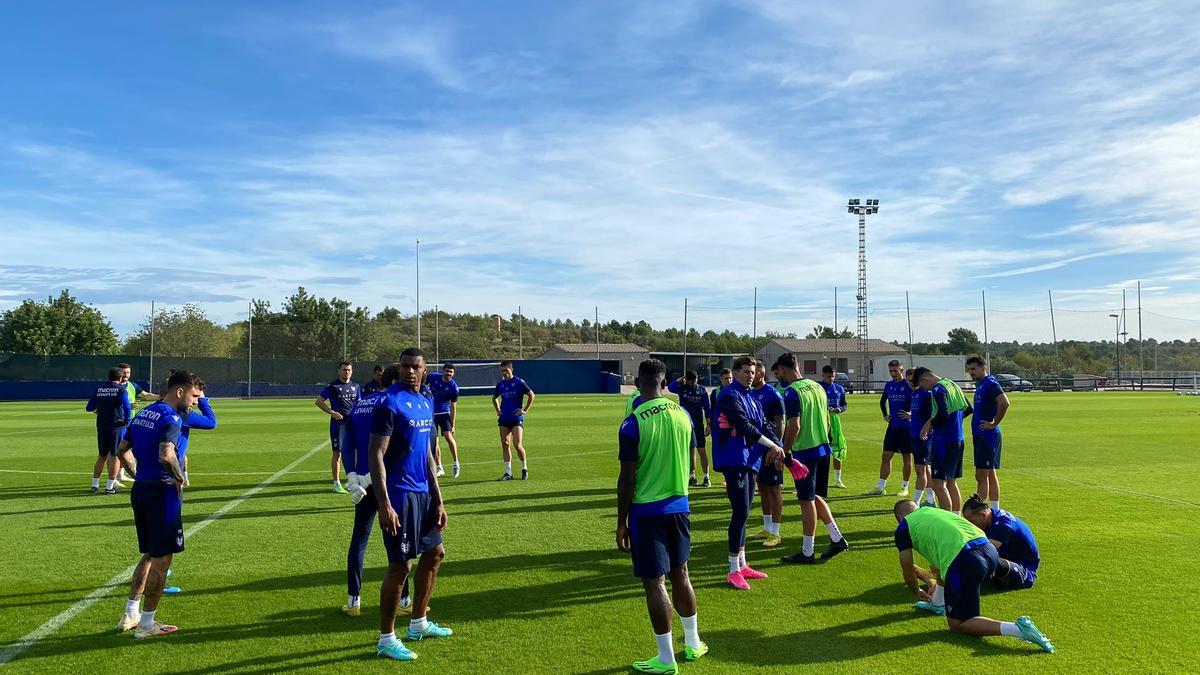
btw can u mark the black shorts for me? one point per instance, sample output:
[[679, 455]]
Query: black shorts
[[158, 517], [1011, 576], [418, 521], [442, 423], [339, 435], [946, 463], [922, 450], [698, 433], [896, 439], [816, 483], [511, 423], [108, 440], [966, 575], [987, 451], [769, 476], [659, 543]]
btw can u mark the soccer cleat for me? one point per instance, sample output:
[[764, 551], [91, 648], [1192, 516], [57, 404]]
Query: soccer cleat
[[396, 650], [439, 472], [507, 476], [694, 653], [159, 628], [128, 621], [799, 558], [455, 470], [839, 484], [692, 481], [939, 610], [432, 630], [706, 483], [736, 580], [110, 491], [95, 489], [338, 489], [903, 493], [1030, 633], [748, 572], [772, 541], [875, 492], [655, 666], [121, 485], [524, 474], [172, 590], [352, 610], [761, 534], [835, 547]]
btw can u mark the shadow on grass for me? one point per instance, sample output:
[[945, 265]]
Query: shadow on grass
[[189, 521]]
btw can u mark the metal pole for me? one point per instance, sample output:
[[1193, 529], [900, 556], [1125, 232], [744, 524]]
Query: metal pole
[[418, 293], [597, 326], [1054, 331], [908, 313], [250, 349], [520, 334], [437, 316], [754, 338], [1124, 321], [1141, 347], [685, 333], [152, 345], [345, 337], [836, 331], [987, 356]]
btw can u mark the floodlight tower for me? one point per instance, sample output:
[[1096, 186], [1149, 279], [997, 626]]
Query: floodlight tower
[[861, 208]]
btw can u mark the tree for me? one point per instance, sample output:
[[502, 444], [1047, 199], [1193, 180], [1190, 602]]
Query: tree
[[962, 341], [61, 325], [829, 333], [182, 332]]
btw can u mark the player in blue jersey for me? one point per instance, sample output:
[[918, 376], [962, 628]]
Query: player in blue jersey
[[510, 401], [991, 405], [336, 400], [411, 513], [149, 451], [770, 478], [837, 438], [894, 404], [136, 395], [944, 427], [112, 408], [1014, 542], [375, 385], [922, 448], [694, 401], [445, 414]]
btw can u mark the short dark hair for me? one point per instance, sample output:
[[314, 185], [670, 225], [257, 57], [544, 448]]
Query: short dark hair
[[976, 360], [345, 363], [199, 383], [726, 371], [786, 360], [506, 364], [124, 366], [182, 378], [391, 375], [827, 369], [975, 503], [893, 362], [689, 375], [743, 361], [412, 352], [908, 373], [448, 366], [651, 368], [114, 373], [378, 368], [920, 372]]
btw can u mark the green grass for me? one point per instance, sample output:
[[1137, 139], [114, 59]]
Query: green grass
[[533, 583]]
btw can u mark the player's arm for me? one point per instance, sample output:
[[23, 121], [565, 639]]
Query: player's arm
[[628, 440], [202, 418], [146, 396], [126, 411], [435, 491], [791, 412], [883, 406], [911, 579], [529, 396], [91, 403], [453, 413], [1002, 404], [731, 407], [168, 457], [496, 399], [842, 401]]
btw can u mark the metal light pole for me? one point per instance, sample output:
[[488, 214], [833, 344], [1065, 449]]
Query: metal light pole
[[520, 334], [437, 336], [151, 345], [418, 293], [908, 315], [862, 210], [250, 349], [987, 352], [1117, 346], [685, 333]]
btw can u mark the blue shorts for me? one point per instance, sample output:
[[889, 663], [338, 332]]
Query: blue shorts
[[509, 422], [816, 483], [769, 476], [972, 567], [897, 439], [339, 434], [922, 450], [1012, 576], [946, 463], [698, 432], [987, 451], [659, 543], [417, 533], [108, 440], [158, 517], [441, 422]]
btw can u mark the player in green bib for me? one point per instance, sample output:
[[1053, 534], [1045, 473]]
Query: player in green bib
[[653, 523], [962, 559]]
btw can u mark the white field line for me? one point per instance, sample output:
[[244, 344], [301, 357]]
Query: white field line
[[51, 626]]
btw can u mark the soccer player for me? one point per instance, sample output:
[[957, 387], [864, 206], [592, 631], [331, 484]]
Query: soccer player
[[509, 400], [991, 405], [726, 379], [694, 400], [149, 452], [922, 448], [948, 405], [374, 386], [337, 400], [634, 399], [112, 408], [202, 418], [135, 393], [411, 513], [653, 524], [743, 443], [836, 394], [895, 404], [1014, 542], [806, 435], [963, 559], [445, 413], [770, 478]]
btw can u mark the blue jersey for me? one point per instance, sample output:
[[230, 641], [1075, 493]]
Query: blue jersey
[[511, 393], [341, 396], [987, 393], [898, 396], [692, 398], [920, 411], [362, 420], [770, 403], [947, 426], [155, 424], [201, 418], [1016, 539], [111, 405], [445, 392], [372, 387], [836, 394], [739, 424], [406, 417]]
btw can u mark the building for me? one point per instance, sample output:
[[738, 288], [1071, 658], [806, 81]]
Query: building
[[622, 359], [842, 354]]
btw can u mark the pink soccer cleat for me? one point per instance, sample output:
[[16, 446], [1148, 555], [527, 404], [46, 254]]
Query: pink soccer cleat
[[738, 581], [748, 572]]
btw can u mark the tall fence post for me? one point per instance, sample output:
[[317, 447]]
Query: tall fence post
[[151, 382], [250, 350]]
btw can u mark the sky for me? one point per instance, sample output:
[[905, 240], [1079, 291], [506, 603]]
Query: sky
[[561, 156]]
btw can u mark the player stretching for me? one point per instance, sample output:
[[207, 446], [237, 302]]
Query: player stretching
[[157, 499], [337, 400], [837, 405], [895, 404], [922, 448], [964, 559], [652, 513], [509, 401], [742, 443], [944, 427], [374, 386], [202, 418], [410, 502], [694, 400], [445, 413], [1014, 542], [112, 408], [770, 478], [991, 405], [806, 434]]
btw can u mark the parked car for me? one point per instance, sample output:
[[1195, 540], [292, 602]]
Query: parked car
[[1010, 382], [844, 380]]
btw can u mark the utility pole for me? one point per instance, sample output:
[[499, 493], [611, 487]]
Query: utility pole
[[862, 210], [250, 349], [908, 314], [418, 266]]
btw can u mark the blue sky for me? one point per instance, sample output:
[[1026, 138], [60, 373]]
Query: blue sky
[[563, 155]]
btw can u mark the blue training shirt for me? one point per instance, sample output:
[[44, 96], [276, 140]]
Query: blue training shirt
[[987, 393], [947, 426], [445, 392], [693, 399], [372, 387], [111, 405], [362, 420], [836, 394], [512, 395], [202, 418], [629, 438], [770, 402], [341, 396], [406, 417], [792, 407], [899, 399], [739, 424], [155, 424], [1016, 539], [919, 412]]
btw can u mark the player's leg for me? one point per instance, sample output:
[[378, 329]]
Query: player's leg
[[964, 580], [885, 471], [907, 459], [506, 451], [356, 555], [100, 461], [837, 543], [658, 605], [739, 488], [684, 598], [137, 585], [162, 509], [518, 437], [452, 446], [994, 476], [807, 493], [955, 472], [701, 441], [776, 512], [425, 577], [335, 459], [1011, 576], [765, 505]]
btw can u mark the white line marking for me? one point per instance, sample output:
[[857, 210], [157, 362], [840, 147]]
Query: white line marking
[[51, 626]]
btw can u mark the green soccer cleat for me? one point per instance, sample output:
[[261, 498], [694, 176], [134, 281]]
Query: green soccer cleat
[[939, 610], [875, 492], [339, 490], [396, 650], [1031, 634], [432, 630], [694, 653], [656, 666]]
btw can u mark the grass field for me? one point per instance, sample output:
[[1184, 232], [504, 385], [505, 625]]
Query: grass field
[[533, 583]]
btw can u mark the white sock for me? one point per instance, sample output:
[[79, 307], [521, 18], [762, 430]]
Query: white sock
[[147, 621], [994, 504], [733, 564], [457, 464], [930, 497], [807, 548], [337, 483], [742, 559], [775, 528], [939, 595], [386, 639], [1009, 629], [109, 485], [524, 465], [835, 535], [837, 475], [354, 601], [767, 522], [918, 496], [666, 647], [95, 482], [418, 624], [508, 468], [881, 484], [904, 486], [131, 606], [185, 478], [691, 634]]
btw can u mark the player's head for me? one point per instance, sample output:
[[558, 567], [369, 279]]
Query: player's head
[[378, 373], [506, 370], [114, 374], [925, 378], [787, 369], [410, 369], [448, 371], [977, 511], [775, 369], [126, 372], [895, 370], [903, 508], [743, 370], [977, 367], [760, 373], [345, 371], [181, 391], [689, 376], [651, 374], [726, 377], [827, 374], [908, 377]]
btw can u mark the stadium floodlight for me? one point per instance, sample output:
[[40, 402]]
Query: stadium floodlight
[[862, 208]]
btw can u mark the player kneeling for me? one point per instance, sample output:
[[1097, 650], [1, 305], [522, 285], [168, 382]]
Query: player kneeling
[[1014, 542]]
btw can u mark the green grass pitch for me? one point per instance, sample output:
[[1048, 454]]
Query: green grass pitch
[[533, 583]]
